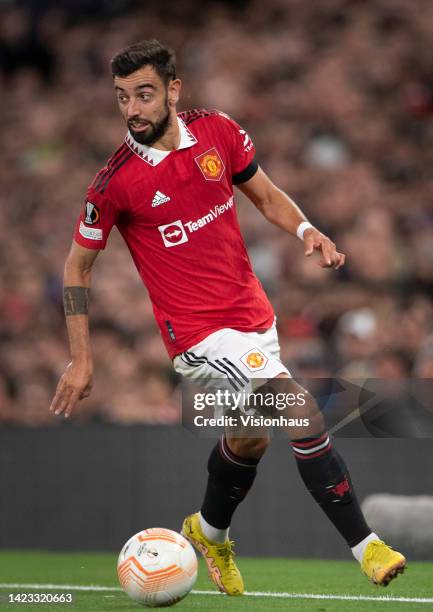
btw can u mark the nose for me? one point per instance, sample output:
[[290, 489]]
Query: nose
[[132, 109]]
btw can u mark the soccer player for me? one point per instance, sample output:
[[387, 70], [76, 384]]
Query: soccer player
[[169, 190]]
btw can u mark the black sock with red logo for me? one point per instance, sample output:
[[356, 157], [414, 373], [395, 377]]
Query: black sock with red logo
[[326, 477], [230, 479]]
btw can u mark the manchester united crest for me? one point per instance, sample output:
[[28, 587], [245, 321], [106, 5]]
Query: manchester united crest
[[254, 360], [211, 165]]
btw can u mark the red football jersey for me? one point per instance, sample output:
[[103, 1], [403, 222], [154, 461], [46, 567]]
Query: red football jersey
[[176, 212]]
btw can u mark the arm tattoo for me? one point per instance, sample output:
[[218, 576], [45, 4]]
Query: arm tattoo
[[76, 300]]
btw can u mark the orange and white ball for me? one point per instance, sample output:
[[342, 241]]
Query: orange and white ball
[[157, 567]]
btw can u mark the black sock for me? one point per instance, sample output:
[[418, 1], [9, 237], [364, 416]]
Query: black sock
[[230, 479], [326, 477]]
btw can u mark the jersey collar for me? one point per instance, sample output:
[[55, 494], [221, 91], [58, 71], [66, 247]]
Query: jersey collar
[[154, 156]]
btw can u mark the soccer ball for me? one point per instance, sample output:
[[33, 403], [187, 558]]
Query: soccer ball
[[157, 567]]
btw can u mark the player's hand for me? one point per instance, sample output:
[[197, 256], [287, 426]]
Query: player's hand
[[75, 384], [316, 241]]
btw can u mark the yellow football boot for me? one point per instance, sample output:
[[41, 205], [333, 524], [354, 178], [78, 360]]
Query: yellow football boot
[[219, 557], [381, 564]]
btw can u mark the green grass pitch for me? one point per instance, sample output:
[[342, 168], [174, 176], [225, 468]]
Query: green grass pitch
[[272, 584]]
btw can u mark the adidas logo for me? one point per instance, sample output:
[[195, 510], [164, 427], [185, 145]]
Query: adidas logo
[[159, 198]]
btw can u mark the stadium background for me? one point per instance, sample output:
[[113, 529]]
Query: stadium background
[[338, 98]]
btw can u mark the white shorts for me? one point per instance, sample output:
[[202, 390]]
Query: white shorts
[[232, 359]]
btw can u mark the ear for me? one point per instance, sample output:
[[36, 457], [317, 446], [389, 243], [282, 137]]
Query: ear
[[173, 90]]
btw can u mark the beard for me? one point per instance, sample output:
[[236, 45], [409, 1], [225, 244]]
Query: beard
[[155, 129]]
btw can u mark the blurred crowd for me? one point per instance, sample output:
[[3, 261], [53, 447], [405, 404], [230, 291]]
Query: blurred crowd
[[338, 98]]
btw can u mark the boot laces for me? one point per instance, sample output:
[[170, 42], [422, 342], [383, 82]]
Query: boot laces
[[226, 551]]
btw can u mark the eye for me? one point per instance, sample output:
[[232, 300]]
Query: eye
[[145, 96], [122, 98]]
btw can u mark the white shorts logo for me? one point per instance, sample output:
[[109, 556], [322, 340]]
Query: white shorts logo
[[173, 234], [255, 360]]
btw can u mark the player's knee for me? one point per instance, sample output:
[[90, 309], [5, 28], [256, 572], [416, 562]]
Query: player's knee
[[249, 447], [312, 412]]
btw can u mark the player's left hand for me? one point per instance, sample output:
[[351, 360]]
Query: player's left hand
[[316, 241]]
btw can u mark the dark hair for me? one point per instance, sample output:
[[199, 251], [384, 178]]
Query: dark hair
[[145, 53]]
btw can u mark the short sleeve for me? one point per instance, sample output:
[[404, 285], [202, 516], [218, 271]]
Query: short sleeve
[[97, 217], [243, 164]]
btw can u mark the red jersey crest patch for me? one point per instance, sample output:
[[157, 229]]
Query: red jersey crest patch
[[211, 165]]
